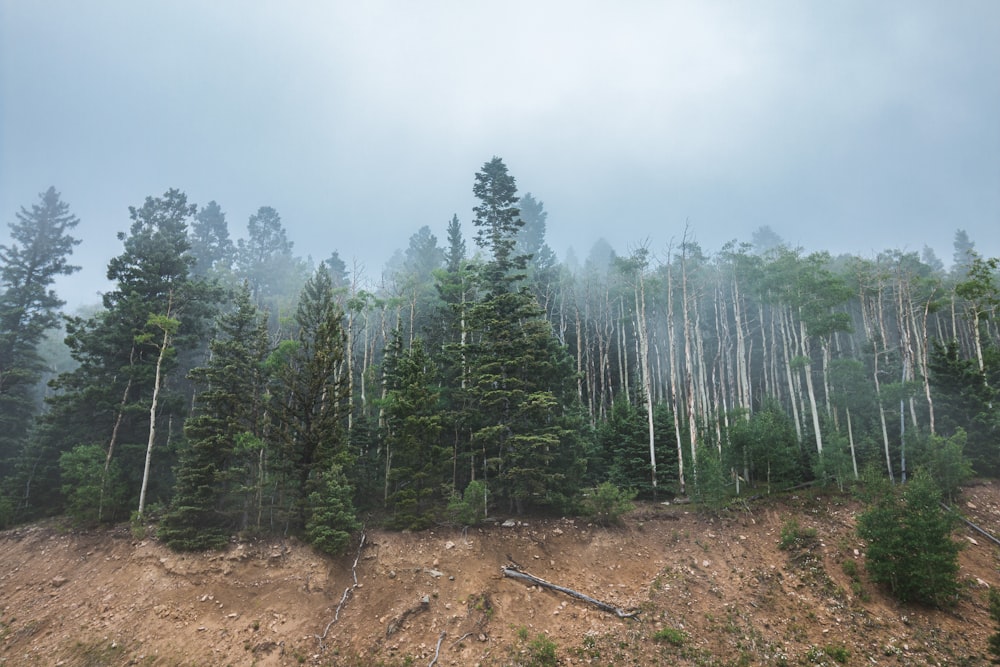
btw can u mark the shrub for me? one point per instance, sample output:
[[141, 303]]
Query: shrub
[[470, 508], [794, 536], [671, 636], [606, 504], [909, 540]]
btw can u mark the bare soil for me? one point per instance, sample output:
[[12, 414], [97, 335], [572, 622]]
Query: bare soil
[[709, 590]]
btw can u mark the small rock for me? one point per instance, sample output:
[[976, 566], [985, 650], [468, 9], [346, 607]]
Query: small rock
[[59, 581], [509, 523], [557, 531], [392, 574], [435, 573], [449, 545], [971, 539]]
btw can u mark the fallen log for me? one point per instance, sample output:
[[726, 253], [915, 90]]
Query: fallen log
[[514, 573]]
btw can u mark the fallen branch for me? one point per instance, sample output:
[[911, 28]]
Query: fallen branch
[[603, 606], [437, 651], [973, 526], [347, 592]]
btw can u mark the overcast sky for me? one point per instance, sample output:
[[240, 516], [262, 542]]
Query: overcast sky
[[849, 126]]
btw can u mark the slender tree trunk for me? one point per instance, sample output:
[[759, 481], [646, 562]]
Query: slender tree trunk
[[158, 380]]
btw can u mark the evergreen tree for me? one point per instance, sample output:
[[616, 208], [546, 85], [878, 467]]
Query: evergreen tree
[[542, 267], [311, 394], [29, 308], [525, 422], [219, 479], [126, 354], [909, 540], [265, 260], [211, 247], [413, 438]]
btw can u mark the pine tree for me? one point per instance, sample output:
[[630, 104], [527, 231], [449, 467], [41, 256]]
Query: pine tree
[[126, 354], [311, 394], [909, 540], [524, 422], [29, 308], [414, 430], [219, 483]]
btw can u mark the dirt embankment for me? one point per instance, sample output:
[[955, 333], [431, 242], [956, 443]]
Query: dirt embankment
[[708, 591]]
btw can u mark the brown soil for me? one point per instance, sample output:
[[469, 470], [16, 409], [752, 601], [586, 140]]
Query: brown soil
[[710, 590]]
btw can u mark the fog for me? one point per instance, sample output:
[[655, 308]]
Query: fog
[[849, 127]]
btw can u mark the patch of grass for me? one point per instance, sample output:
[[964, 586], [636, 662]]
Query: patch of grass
[[671, 636], [794, 536]]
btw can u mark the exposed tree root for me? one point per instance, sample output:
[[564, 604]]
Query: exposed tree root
[[603, 606], [437, 651], [347, 592]]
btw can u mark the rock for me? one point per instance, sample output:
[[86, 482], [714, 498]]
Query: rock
[[435, 573], [509, 523], [449, 545], [971, 539], [58, 581]]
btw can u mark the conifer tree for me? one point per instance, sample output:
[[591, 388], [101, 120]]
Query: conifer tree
[[311, 396], [525, 425], [414, 428], [28, 308], [218, 488]]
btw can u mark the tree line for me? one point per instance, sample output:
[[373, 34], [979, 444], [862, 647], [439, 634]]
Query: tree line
[[228, 387]]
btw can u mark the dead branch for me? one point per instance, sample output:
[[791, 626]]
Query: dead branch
[[397, 624], [603, 606], [437, 651]]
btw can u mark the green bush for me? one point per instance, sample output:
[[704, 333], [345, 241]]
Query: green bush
[[470, 508], [671, 636], [91, 494], [993, 642], [606, 504], [909, 540], [794, 536]]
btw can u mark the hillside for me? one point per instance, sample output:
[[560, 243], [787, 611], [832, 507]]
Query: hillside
[[709, 590]]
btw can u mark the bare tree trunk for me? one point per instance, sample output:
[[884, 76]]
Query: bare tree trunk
[[157, 382]]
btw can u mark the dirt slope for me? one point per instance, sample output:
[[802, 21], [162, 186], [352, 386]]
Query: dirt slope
[[710, 591]]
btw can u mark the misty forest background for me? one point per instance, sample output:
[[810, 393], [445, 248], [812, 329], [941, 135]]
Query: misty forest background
[[234, 386]]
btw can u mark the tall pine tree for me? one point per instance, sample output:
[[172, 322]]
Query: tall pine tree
[[28, 308]]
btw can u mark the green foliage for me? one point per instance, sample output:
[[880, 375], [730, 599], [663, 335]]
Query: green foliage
[[606, 504], [542, 652], [469, 509], [412, 433], [91, 496], [944, 459], [28, 308], [908, 535], [993, 642], [330, 512], [710, 478], [671, 636], [794, 536], [966, 398], [765, 448]]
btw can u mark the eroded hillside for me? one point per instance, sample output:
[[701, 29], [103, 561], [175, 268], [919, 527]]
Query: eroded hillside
[[709, 591]]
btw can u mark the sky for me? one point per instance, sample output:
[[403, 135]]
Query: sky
[[849, 126]]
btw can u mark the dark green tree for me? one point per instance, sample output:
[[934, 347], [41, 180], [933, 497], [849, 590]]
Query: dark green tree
[[127, 355], [29, 308], [965, 399], [219, 485], [908, 535], [416, 456], [311, 395], [525, 422]]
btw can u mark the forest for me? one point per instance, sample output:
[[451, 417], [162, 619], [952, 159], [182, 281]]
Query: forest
[[234, 387]]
